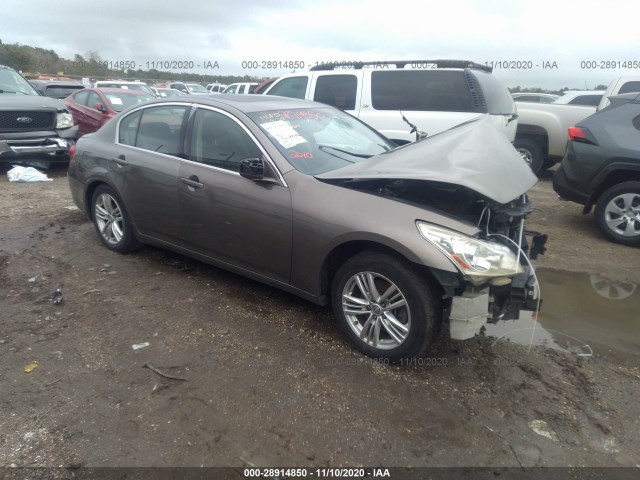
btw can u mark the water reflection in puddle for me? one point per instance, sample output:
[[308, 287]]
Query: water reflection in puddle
[[582, 314]]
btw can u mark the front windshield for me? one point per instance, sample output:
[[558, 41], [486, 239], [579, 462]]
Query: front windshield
[[120, 101], [195, 88], [12, 83], [319, 140]]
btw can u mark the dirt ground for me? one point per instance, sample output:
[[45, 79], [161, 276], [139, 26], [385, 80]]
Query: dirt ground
[[268, 378]]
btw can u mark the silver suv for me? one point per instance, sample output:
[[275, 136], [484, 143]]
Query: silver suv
[[400, 99]]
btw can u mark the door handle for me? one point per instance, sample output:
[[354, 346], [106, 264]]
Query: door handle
[[121, 160], [192, 182]]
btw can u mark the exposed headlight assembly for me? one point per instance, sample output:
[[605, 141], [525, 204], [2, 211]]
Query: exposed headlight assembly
[[64, 120], [478, 260]]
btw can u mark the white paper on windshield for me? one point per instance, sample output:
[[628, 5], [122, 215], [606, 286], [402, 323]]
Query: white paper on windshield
[[283, 133], [115, 101]]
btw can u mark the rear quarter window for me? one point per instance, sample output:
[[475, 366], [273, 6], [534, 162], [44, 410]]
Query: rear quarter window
[[434, 90], [496, 96], [292, 87], [630, 87], [586, 100]]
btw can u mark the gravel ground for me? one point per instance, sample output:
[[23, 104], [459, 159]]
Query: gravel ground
[[266, 378]]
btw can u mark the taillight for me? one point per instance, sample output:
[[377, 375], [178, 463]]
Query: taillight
[[72, 152], [577, 134]]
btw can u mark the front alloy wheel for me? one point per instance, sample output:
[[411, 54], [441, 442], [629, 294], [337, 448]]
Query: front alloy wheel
[[618, 213], [376, 310], [385, 306]]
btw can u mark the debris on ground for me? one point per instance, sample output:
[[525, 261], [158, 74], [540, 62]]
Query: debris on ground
[[57, 297], [138, 346], [178, 263], [30, 367], [26, 174], [542, 428], [162, 374]]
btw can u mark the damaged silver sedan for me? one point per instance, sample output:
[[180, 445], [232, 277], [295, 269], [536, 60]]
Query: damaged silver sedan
[[301, 196]]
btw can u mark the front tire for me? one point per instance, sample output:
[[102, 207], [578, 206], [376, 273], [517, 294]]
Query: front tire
[[386, 309], [530, 152], [111, 220], [618, 213]]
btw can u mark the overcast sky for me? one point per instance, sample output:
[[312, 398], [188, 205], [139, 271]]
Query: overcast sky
[[230, 32]]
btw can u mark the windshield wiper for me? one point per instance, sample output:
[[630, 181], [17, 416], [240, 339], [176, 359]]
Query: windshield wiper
[[359, 155], [2, 90]]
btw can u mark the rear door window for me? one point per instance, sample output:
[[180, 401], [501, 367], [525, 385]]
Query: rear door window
[[81, 98], [160, 129], [337, 90], [292, 87], [93, 99], [436, 90]]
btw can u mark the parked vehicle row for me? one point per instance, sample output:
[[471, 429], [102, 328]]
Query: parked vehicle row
[[570, 97]]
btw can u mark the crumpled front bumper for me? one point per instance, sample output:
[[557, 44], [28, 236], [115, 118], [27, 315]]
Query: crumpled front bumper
[[472, 307], [475, 307], [52, 148]]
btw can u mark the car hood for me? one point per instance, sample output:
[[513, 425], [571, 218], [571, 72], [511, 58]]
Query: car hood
[[22, 102], [475, 155]]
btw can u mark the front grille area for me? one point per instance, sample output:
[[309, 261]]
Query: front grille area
[[25, 120]]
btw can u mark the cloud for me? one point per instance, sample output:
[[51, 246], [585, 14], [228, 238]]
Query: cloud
[[232, 32]]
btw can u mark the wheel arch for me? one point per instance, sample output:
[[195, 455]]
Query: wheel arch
[[534, 133], [341, 253], [612, 175], [88, 193]]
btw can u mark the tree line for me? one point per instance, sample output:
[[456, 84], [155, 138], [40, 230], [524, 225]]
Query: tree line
[[35, 61]]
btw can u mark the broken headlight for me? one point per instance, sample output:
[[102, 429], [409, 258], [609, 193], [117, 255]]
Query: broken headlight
[[478, 260]]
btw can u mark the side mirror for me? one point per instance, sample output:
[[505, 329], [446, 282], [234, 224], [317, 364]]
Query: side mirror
[[100, 108], [252, 168]]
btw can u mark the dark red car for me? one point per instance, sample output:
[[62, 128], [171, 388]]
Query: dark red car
[[92, 107]]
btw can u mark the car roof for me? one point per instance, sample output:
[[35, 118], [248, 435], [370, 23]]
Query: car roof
[[122, 82], [575, 93], [248, 103], [118, 90], [63, 83]]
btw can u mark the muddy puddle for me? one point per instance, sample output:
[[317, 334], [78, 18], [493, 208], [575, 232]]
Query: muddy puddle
[[585, 314]]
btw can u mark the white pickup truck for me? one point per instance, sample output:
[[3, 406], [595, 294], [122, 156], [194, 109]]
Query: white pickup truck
[[541, 136]]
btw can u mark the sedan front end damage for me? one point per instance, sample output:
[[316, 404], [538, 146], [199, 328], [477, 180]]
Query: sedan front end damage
[[470, 173]]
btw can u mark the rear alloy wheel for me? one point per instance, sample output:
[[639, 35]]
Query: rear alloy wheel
[[111, 220], [384, 306], [530, 152], [618, 213]]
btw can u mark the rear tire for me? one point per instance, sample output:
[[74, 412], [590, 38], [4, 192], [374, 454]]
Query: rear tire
[[111, 221], [530, 152], [618, 213], [384, 306]]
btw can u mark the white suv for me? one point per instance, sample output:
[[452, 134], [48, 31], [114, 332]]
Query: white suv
[[136, 85], [433, 95], [619, 86]]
